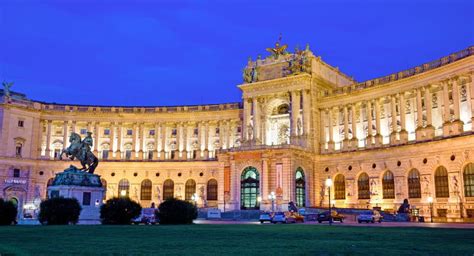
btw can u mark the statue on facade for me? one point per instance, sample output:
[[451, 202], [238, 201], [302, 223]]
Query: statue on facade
[[6, 88], [278, 50], [250, 132], [81, 149], [247, 74]]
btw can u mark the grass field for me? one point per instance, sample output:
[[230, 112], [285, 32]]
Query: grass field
[[243, 240]]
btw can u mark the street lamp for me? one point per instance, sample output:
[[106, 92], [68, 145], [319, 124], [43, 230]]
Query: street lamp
[[329, 185], [123, 192], [430, 200], [272, 198]]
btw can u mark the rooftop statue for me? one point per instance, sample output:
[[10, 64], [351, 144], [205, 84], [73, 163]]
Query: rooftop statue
[[81, 149], [278, 50], [6, 88]]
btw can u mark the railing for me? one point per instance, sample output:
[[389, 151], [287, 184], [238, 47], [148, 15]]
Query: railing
[[409, 72]]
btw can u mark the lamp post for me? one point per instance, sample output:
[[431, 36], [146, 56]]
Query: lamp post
[[329, 185], [430, 200], [123, 193], [272, 198], [259, 199]]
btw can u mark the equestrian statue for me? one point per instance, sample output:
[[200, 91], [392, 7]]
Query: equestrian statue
[[81, 150]]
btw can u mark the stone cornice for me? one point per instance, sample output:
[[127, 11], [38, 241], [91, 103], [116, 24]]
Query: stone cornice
[[284, 84]]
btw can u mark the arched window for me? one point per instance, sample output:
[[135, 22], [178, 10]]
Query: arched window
[[363, 186], [414, 187], [249, 188], [212, 189], [104, 186], [469, 180], [300, 188], [123, 187], [168, 189], [145, 190], [189, 190], [340, 187], [388, 185], [441, 182]]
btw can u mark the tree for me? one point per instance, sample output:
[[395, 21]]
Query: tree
[[59, 211], [175, 211], [119, 211], [8, 212]]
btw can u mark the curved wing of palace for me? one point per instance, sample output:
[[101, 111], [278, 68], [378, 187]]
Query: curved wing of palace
[[408, 135]]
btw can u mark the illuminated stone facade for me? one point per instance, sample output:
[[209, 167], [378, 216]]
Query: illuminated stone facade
[[301, 121]]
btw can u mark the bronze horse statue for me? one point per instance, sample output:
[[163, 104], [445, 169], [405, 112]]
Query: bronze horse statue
[[81, 150]]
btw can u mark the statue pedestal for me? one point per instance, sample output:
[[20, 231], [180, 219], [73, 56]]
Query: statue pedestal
[[85, 187]]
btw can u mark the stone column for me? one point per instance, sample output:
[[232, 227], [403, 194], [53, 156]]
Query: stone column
[[446, 109], [265, 178], [179, 147], [134, 141], [118, 154], [157, 139], [48, 139], [295, 111], [73, 129], [457, 125], [471, 94], [331, 144], [429, 129], [163, 134], [322, 133], [40, 137], [112, 140], [369, 124], [201, 145], [378, 135], [96, 138], [141, 137], [246, 118], [419, 115], [345, 143], [221, 125], [228, 132], [256, 120], [206, 140], [184, 155], [306, 113], [65, 134], [355, 141], [393, 135], [403, 112]]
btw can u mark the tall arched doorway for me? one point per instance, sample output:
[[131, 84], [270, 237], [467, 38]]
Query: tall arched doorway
[[300, 185], [249, 189]]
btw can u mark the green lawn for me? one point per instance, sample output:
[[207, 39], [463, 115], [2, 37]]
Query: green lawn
[[243, 240]]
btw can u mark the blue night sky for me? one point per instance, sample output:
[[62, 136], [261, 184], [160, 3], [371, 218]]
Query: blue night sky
[[193, 52]]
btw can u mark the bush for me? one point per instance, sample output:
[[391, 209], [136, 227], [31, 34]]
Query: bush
[[175, 211], [119, 211], [8, 212], [59, 211]]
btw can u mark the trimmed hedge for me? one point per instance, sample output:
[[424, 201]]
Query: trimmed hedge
[[119, 211], [59, 211], [175, 211], [8, 212]]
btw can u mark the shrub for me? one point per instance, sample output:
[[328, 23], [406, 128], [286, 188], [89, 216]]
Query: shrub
[[8, 212], [59, 211], [175, 211], [119, 211]]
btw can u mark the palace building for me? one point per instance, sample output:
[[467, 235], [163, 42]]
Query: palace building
[[407, 135]]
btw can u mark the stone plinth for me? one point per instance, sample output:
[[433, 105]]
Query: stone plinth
[[85, 187]]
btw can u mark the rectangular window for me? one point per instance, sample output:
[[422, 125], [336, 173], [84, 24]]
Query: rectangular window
[[239, 129], [21, 123], [174, 132], [18, 150], [105, 154], [152, 133], [83, 131], [172, 154], [217, 130], [16, 173], [107, 132], [150, 155], [86, 198], [196, 131], [128, 154], [129, 132]]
